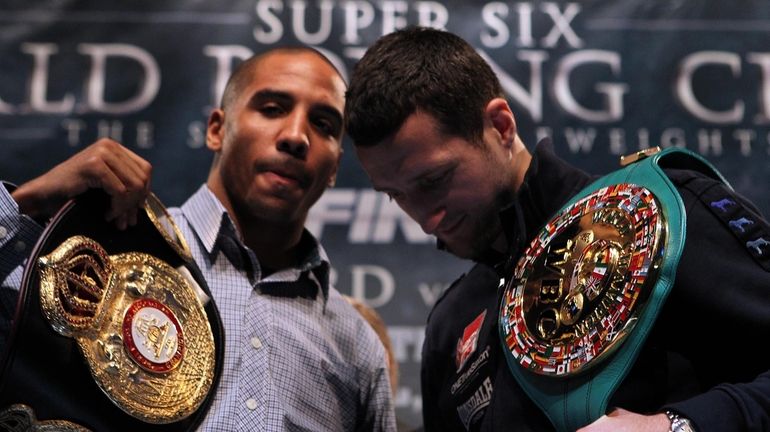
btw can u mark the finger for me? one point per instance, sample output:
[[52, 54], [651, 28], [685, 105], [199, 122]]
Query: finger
[[126, 179], [131, 169], [122, 198], [132, 217], [125, 207], [120, 222], [141, 169], [127, 219]]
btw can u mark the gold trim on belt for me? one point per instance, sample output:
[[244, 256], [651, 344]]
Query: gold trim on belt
[[138, 323]]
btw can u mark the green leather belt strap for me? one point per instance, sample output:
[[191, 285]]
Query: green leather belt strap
[[575, 401]]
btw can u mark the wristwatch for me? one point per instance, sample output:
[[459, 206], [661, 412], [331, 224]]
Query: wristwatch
[[679, 423]]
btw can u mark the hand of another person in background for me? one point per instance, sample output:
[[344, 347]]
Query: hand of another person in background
[[105, 165], [620, 420]]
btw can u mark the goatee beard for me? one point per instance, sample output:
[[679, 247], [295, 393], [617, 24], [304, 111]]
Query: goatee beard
[[488, 228]]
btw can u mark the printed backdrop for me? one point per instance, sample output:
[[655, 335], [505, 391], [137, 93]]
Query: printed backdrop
[[602, 78]]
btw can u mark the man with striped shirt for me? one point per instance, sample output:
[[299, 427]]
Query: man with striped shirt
[[297, 355]]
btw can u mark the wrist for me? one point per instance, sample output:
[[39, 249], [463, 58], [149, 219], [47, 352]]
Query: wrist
[[679, 423], [31, 203]]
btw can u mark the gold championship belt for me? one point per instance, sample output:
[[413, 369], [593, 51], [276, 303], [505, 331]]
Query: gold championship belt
[[578, 289], [138, 324], [128, 316]]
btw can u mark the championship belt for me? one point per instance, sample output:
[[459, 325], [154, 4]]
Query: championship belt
[[586, 292], [115, 330]]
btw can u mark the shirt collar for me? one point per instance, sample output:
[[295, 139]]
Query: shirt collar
[[548, 184], [210, 221], [206, 216]]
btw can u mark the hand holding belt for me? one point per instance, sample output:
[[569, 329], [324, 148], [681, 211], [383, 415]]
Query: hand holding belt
[[137, 342]]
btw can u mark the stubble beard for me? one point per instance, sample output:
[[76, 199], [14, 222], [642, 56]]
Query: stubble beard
[[486, 230]]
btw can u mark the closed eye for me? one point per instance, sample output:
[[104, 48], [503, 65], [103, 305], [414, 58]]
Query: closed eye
[[271, 110], [434, 180]]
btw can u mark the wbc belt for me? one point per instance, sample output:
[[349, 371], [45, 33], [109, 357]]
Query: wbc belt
[[115, 329], [586, 292]]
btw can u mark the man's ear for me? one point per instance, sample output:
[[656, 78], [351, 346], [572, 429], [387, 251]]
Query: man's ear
[[215, 130], [502, 119]]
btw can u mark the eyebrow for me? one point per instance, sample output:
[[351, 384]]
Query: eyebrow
[[270, 94], [280, 95]]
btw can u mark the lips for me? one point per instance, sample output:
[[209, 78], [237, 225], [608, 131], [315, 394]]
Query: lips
[[286, 174], [280, 181], [447, 229]]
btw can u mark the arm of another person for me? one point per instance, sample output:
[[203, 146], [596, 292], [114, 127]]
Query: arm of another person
[[18, 234]]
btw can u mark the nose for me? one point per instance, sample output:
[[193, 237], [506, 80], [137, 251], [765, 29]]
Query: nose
[[293, 138], [430, 219]]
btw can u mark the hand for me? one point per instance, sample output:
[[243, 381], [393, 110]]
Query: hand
[[105, 165], [620, 420]]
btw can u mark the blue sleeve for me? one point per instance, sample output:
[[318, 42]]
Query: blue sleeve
[[18, 235]]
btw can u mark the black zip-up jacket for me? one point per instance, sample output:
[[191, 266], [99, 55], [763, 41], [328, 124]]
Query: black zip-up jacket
[[703, 358]]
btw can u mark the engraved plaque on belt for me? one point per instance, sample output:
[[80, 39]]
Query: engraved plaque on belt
[[577, 290], [138, 323]]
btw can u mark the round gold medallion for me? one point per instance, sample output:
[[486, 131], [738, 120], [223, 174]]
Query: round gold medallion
[[577, 290]]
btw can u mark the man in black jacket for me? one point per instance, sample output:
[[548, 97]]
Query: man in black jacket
[[433, 131]]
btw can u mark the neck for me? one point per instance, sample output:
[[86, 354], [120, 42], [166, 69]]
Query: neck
[[519, 163], [276, 246]]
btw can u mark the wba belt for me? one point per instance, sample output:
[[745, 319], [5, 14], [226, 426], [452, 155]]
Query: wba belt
[[115, 330], [586, 292]]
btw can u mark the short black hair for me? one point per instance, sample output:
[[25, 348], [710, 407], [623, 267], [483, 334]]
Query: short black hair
[[419, 69], [242, 74]]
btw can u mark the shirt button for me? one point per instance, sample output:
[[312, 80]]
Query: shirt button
[[256, 343], [251, 404], [3, 232], [20, 246]]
